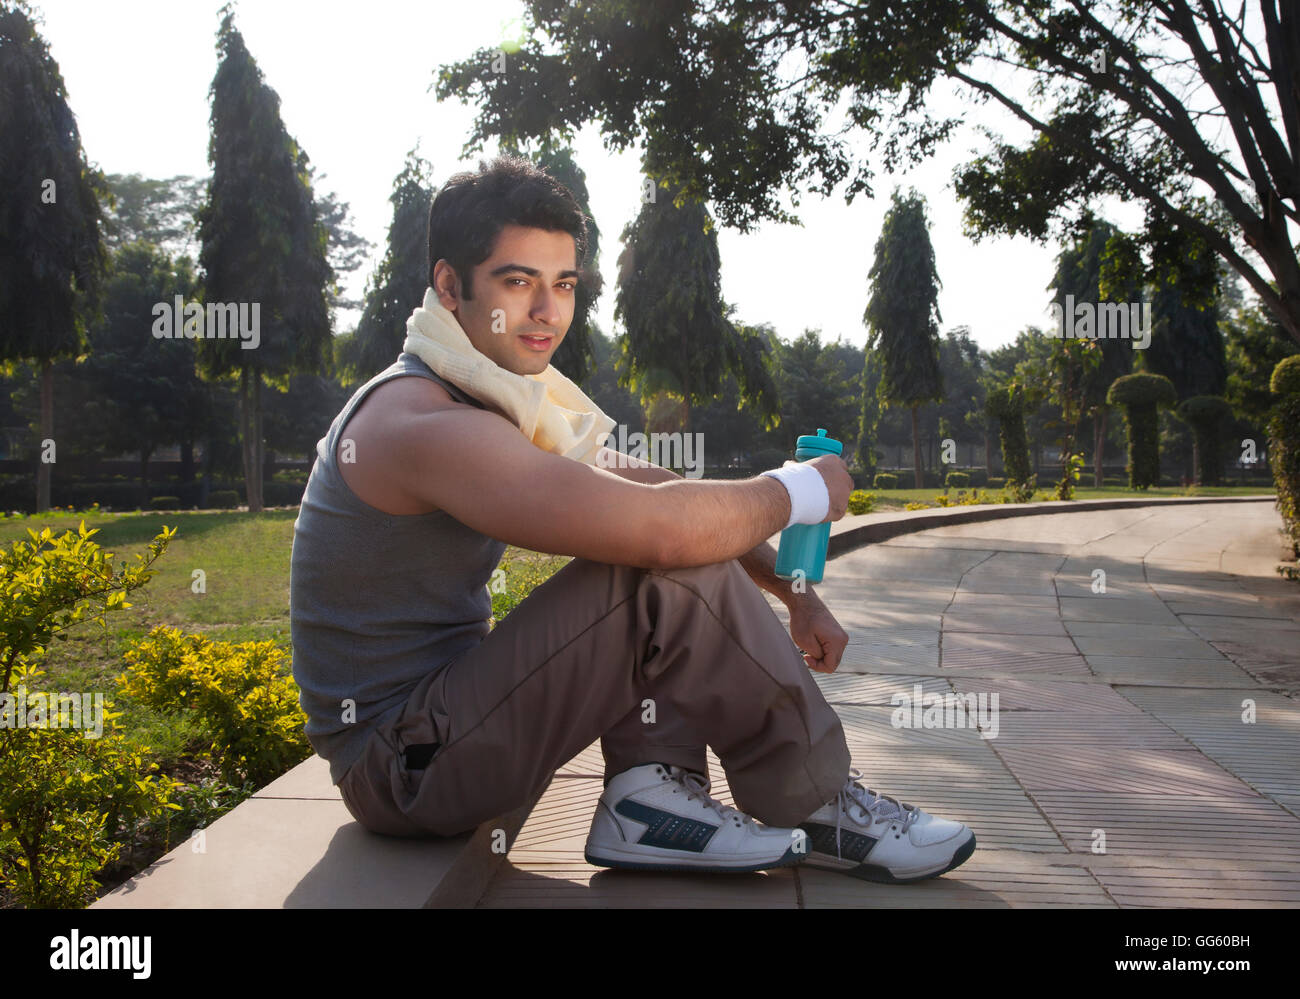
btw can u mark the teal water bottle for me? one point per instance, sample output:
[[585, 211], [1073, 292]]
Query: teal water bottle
[[803, 546]]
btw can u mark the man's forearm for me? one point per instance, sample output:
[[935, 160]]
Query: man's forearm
[[759, 562]]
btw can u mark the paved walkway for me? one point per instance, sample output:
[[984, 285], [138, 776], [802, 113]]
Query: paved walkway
[[1120, 772]]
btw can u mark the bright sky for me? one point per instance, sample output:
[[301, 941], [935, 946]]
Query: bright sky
[[354, 78]]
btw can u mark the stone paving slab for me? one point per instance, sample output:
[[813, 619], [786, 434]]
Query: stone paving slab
[[1097, 768], [1117, 732], [1205, 672], [991, 879], [879, 688], [1145, 825], [1050, 695]]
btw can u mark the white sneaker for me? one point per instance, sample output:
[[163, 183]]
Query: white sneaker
[[658, 817], [878, 838]]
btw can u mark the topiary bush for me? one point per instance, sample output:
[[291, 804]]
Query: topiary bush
[[885, 480], [1142, 395], [1007, 405], [957, 480], [1207, 415], [165, 503], [1284, 444]]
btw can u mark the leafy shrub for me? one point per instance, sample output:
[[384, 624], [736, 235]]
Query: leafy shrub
[[282, 493], [165, 502], [885, 480], [1007, 405], [223, 499], [1208, 416], [958, 480], [240, 694], [996, 482], [917, 505], [1284, 444], [861, 501], [1019, 491], [63, 795]]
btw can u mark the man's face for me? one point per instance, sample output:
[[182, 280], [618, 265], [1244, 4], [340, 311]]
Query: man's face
[[525, 287]]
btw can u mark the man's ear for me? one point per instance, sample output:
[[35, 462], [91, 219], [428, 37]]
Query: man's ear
[[447, 286]]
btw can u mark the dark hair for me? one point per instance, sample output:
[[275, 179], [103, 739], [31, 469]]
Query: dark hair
[[470, 211]]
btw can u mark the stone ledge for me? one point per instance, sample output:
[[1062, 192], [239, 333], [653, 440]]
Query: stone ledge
[[294, 845], [851, 531]]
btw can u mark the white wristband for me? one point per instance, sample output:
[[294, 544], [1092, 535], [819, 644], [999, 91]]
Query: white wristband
[[810, 500]]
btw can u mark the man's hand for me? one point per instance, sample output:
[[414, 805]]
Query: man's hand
[[815, 630]]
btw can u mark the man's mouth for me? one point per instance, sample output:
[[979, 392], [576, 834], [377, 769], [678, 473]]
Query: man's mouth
[[537, 341]]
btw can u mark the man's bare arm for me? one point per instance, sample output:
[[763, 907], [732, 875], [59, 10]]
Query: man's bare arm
[[759, 562]]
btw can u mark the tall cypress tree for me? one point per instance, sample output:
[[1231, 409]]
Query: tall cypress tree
[[902, 315], [397, 287], [680, 339], [52, 254], [262, 242]]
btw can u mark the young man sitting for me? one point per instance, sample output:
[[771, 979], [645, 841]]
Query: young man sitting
[[433, 723]]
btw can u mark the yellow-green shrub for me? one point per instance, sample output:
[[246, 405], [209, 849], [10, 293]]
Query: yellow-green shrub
[[64, 800], [861, 501], [241, 695], [64, 797]]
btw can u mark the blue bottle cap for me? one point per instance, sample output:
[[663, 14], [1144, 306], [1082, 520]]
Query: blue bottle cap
[[820, 442]]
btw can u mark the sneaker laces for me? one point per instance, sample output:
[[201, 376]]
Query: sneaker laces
[[698, 787], [877, 807]]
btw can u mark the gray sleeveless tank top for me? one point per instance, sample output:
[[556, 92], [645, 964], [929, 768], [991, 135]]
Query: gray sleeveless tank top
[[377, 601]]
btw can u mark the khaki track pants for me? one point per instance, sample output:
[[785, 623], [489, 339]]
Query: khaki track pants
[[577, 660]]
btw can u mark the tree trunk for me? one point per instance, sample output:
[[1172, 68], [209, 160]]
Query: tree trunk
[[187, 461], [259, 451], [916, 449], [246, 449], [988, 455], [1099, 447], [144, 479], [205, 482], [47, 433]]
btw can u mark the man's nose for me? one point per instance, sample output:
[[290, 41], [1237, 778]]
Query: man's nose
[[546, 308]]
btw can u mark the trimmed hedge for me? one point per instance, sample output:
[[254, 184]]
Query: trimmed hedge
[[165, 503], [223, 499], [958, 480], [885, 480]]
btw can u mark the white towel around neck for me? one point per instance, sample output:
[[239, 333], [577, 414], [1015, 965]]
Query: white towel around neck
[[548, 408]]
